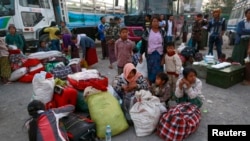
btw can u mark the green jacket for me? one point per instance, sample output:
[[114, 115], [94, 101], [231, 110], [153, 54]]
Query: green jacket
[[15, 40]]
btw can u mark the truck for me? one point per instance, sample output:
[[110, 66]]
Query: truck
[[236, 16], [31, 16]]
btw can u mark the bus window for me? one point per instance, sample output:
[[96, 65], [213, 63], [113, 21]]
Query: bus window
[[35, 3], [7, 8], [30, 19]]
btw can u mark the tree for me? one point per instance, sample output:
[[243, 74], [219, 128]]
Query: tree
[[225, 5]]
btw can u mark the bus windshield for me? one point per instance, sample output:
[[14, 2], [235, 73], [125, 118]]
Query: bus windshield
[[7, 8], [149, 7]]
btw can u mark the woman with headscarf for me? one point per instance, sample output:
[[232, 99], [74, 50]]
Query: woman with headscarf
[[153, 47], [127, 84]]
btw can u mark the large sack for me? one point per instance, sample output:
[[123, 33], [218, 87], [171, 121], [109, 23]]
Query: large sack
[[145, 113], [43, 55], [142, 67], [17, 74], [31, 63], [43, 87], [179, 122], [36, 69], [105, 110]]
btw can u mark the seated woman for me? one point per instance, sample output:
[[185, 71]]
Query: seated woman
[[126, 85], [189, 88]]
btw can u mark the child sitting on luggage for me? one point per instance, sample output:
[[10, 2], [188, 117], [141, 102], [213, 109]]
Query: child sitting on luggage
[[161, 88], [43, 46], [188, 88], [44, 125]]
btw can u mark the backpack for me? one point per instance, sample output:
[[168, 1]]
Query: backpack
[[188, 52], [198, 56], [179, 122]]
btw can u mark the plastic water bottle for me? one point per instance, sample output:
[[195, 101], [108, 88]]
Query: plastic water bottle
[[108, 133]]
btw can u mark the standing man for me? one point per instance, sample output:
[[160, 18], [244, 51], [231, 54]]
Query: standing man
[[216, 27], [162, 22], [196, 32], [101, 30], [170, 28]]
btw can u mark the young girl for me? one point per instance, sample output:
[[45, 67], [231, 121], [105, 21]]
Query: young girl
[[173, 65], [188, 88], [44, 125], [5, 69], [123, 50], [161, 88]]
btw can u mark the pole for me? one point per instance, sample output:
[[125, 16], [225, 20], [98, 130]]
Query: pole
[[178, 3]]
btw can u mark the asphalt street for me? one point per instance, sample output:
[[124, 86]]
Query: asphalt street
[[221, 106]]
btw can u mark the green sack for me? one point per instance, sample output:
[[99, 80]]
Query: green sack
[[81, 105], [105, 110]]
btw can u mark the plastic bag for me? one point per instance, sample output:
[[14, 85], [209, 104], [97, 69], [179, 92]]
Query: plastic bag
[[145, 113], [143, 67], [43, 87], [17, 74]]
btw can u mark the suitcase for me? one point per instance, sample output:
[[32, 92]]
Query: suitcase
[[64, 96], [79, 128], [226, 77]]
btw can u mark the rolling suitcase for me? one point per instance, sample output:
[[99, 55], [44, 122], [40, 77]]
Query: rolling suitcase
[[79, 128]]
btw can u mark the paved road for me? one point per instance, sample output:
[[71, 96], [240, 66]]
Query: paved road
[[229, 106]]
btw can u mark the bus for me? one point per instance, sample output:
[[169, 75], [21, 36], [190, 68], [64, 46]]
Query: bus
[[236, 15], [31, 16]]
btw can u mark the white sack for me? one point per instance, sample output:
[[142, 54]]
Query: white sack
[[37, 67], [17, 74], [43, 87], [43, 55], [143, 67]]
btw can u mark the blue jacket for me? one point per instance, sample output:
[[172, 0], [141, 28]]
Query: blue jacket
[[101, 29], [240, 30], [85, 43]]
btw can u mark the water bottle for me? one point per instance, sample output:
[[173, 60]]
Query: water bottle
[[108, 133]]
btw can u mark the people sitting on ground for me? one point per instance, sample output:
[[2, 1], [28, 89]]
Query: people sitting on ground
[[5, 69], [161, 88], [136, 56], [55, 42], [188, 88], [43, 46], [123, 50], [127, 84], [43, 124], [173, 65], [13, 38]]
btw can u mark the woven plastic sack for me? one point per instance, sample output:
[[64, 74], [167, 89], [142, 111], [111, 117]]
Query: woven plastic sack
[[105, 110]]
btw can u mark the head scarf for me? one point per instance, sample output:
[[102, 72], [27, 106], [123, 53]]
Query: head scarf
[[127, 69]]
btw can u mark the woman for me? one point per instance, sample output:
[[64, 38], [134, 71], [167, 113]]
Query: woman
[[153, 47], [13, 38], [127, 83], [44, 125], [5, 69], [188, 88], [242, 39]]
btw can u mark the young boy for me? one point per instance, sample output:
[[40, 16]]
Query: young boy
[[161, 88], [123, 50], [173, 65], [43, 46]]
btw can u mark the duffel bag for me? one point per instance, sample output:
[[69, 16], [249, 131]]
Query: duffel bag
[[179, 122], [64, 96], [61, 72], [79, 128], [188, 52]]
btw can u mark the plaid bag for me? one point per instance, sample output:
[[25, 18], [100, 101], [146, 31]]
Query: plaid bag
[[61, 72], [179, 122]]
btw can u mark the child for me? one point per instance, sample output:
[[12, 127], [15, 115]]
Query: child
[[172, 64], [43, 46], [161, 88], [5, 69], [123, 50], [188, 88], [44, 125], [135, 57]]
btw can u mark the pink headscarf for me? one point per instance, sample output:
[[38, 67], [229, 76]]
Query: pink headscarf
[[127, 69]]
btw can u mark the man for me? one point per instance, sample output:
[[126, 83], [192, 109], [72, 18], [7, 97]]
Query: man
[[196, 32], [147, 21], [216, 27], [204, 32], [170, 28], [162, 22], [101, 30]]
